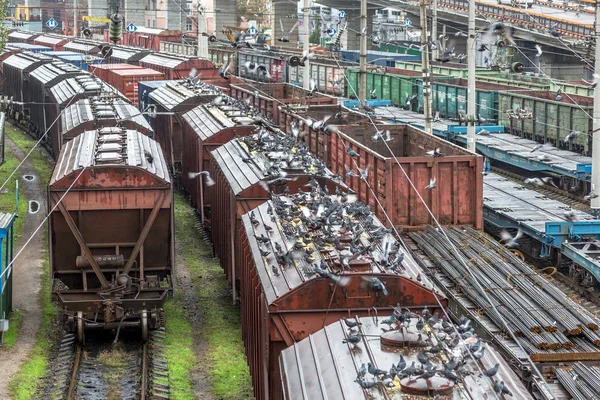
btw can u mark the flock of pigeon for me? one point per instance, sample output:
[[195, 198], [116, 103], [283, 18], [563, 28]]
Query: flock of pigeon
[[316, 223], [438, 339]]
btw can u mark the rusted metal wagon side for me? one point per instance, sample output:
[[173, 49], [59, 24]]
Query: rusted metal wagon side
[[111, 231], [205, 128], [284, 302]]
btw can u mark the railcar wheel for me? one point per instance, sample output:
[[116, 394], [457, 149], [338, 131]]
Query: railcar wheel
[[144, 326], [80, 328]]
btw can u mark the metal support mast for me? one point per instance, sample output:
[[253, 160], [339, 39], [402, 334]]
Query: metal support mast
[[306, 44], [74, 18], [362, 82], [202, 33], [596, 120], [434, 35], [425, 65], [471, 98]]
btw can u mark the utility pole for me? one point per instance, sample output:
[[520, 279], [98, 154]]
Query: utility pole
[[306, 45], [471, 88], [596, 120], [425, 66], [202, 33], [74, 18], [362, 81], [434, 35]]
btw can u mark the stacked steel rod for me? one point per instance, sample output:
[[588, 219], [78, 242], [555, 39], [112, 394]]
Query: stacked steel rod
[[540, 314], [582, 382]]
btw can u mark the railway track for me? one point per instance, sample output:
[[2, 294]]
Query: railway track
[[550, 192], [102, 370]]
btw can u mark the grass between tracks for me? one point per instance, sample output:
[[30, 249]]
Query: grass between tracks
[[221, 321], [26, 383]]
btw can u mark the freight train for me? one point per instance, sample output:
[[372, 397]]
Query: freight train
[[554, 110], [118, 274]]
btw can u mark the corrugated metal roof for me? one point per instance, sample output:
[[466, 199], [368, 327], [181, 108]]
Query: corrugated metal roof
[[125, 53], [51, 71], [86, 83], [261, 152], [208, 120], [172, 94], [371, 242], [111, 146], [165, 60], [323, 367], [25, 59], [52, 40], [5, 219], [21, 35], [97, 108], [85, 47]]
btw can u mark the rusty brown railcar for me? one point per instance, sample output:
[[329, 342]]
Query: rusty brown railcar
[[15, 77], [272, 95], [322, 366], [241, 172], [66, 92], [205, 128], [457, 199], [173, 100], [283, 303], [44, 76], [111, 232], [99, 113], [56, 42]]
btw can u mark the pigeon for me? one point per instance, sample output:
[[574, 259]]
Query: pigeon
[[428, 374], [285, 37], [350, 172], [275, 270], [364, 173], [509, 240], [460, 34], [350, 323], [386, 136], [366, 384], [476, 346], [402, 364], [149, 156], [264, 253], [351, 152], [483, 132], [375, 371], [354, 339], [479, 355], [389, 321], [448, 374], [312, 87], [432, 184], [554, 32], [420, 324], [422, 358], [362, 371], [224, 70], [539, 50], [572, 135], [367, 107], [373, 95], [570, 215], [374, 283], [594, 82], [590, 196], [434, 153], [492, 371]]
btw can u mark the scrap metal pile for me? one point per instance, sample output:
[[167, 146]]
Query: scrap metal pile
[[541, 316]]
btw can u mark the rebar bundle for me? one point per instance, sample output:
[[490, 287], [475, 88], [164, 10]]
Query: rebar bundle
[[533, 308], [582, 382]]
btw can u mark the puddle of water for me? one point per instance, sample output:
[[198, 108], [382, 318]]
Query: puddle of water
[[34, 206]]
